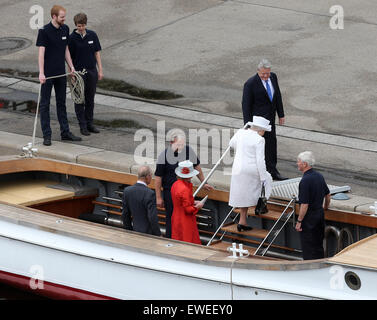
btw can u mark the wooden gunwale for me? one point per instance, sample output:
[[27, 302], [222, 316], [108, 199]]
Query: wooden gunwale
[[47, 165]]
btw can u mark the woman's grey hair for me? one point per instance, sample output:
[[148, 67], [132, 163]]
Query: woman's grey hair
[[265, 64], [308, 157], [256, 128]]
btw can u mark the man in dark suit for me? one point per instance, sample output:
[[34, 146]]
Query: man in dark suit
[[262, 97], [139, 211]]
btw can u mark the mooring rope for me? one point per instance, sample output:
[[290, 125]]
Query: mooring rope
[[231, 274], [76, 85]]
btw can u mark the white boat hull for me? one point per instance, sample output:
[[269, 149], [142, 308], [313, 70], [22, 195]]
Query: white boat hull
[[78, 268]]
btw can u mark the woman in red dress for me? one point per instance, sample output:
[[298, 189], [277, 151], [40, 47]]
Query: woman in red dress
[[184, 225]]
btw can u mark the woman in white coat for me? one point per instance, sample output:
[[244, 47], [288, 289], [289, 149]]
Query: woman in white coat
[[249, 168]]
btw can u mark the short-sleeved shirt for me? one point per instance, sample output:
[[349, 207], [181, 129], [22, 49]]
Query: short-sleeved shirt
[[83, 49], [55, 41], [312, 190], [168, 161]]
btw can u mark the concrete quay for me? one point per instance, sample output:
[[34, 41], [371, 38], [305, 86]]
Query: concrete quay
[[205, 50], [331, 150]]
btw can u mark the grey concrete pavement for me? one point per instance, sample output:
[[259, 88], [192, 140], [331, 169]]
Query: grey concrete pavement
[[206, 49], [344, 160]]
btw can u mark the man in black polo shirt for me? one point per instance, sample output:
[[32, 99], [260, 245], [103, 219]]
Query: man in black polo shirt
[[165, 175], [314, 198], [52, 53], [85, 52]]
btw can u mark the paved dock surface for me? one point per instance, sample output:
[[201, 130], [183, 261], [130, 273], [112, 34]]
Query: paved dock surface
[[205, 50]]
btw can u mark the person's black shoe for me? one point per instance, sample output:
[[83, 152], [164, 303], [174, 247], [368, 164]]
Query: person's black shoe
[[47, 141], [278, 177], [242, 227], [85, 132], [69, 136], [93, 129]]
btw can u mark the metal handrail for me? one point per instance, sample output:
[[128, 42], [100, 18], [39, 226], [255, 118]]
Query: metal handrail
[[273, 227], [218, 229], [214, 168]]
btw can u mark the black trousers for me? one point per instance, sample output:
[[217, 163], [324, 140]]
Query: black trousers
[[84, 112], [169, 211], [312, 234], [270, 151], [60, 85]]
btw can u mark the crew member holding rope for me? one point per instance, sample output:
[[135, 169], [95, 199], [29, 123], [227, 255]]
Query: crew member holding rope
[[85, 48], [53, 51]]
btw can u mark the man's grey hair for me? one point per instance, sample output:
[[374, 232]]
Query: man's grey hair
[[176, 134], [143, 172], [265, 64], [308, 157]]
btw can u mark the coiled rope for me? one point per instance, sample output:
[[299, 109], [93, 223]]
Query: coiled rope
[[76, 85]]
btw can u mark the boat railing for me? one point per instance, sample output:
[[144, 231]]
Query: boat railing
[[220, 226], [277, 228]]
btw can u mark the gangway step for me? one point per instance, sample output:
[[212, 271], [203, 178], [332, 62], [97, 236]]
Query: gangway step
[[255, 233], [270, 215]]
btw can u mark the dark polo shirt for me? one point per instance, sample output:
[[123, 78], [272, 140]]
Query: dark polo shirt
[[83, 49], [168, 161], [312, 190], [55, 41]]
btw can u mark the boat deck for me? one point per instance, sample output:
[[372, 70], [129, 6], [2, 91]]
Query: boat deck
[[360, 254], [32, 192]]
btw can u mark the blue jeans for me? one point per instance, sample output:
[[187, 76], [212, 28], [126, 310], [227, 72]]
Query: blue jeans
[[60, 85]]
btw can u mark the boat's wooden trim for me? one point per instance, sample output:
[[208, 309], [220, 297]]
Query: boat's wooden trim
[[47, 165], [349, 217], [73, 207]]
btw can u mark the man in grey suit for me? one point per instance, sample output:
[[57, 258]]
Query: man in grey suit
[[139, 211]]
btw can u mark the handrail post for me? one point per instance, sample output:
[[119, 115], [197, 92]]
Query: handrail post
[[273, 227], [221, 225]]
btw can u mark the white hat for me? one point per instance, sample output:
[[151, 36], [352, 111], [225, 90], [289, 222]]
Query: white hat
[[260, 122], [186, 169]]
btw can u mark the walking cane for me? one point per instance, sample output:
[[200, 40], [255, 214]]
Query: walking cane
[[214, 168]]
